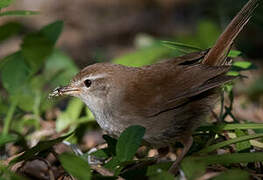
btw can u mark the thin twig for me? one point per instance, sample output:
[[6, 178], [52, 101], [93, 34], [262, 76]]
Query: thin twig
[[103, 171]]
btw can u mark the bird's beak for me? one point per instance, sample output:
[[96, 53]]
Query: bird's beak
[[64, 90]]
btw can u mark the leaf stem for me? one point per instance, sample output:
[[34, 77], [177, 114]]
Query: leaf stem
[[228, 142], [9, 116], [222, 106]]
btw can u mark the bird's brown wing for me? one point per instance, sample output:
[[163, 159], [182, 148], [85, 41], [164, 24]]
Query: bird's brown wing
[[173, 86]]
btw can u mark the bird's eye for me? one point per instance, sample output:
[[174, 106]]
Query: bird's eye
[[87, 82]]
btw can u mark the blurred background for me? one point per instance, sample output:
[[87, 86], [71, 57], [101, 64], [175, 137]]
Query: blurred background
[[100, 30]]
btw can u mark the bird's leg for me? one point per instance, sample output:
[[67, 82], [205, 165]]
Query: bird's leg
[[187, 143]]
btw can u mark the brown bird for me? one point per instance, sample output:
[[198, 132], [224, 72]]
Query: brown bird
[[170, 99]]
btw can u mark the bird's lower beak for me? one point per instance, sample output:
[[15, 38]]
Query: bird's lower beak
[[64, 90]]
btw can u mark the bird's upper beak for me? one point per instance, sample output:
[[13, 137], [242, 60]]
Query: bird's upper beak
[[64, 90]]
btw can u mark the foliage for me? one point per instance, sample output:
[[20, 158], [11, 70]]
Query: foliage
[[76, 166]]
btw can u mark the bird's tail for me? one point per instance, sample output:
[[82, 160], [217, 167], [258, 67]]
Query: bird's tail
[[218, 53]]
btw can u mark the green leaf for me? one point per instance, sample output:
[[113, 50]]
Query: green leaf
[[112, 164], [234, 53], [9, 29], [195, 166], [4, 139], [242, 66], [9, 116], [242, 145], [99, 154], [14, 72], [70, 116], [19, 13], [231, 141], [162, 176], [128, 142], [111, 142], [26, 98], [40, 147], [59, 68], [36, 48], [233, 174], [76, 166], [5, 3], [185, 48], [89, 114], [63, 121], [232, 73], [157, 168], [6, 174], [228, 127], [74, 108], [52, 31]]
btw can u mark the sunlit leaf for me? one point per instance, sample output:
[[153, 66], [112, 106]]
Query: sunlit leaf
[[232, 73], [89, 114], [71, 115], [74, 108], [242, 64], [234, 53], [242, 145], [238, 66], [63, 121]]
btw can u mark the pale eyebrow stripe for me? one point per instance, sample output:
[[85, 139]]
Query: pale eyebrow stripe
[[98, 76]]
